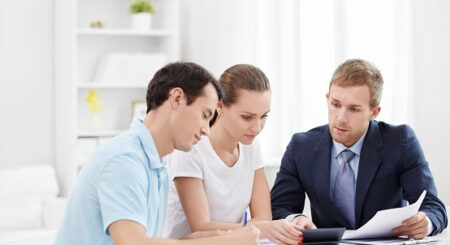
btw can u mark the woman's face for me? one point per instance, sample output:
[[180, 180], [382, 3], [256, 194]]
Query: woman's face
[[245, 119]]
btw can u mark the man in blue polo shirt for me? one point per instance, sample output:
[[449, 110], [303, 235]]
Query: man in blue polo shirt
[[121, 193]]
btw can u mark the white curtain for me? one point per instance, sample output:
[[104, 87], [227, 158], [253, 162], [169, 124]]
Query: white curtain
[[298, 44], [380, 31]]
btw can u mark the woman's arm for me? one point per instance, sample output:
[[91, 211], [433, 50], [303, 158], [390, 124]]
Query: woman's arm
[[278, 231], [124, 232], [260, 208], [195, 205]]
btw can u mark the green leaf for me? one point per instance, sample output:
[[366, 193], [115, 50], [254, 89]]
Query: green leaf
[[142, 6]]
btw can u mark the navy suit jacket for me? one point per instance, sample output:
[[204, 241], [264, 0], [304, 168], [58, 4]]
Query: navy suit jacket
[[392, 170]]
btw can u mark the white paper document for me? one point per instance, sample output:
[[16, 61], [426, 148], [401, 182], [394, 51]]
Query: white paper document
[[398, 241], [384, 221], [443, 238]]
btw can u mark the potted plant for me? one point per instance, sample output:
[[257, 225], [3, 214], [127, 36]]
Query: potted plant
[[141, 15]]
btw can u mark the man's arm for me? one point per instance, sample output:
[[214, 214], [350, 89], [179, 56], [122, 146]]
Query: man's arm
[[124, 232], [288, 196], [416, 177]]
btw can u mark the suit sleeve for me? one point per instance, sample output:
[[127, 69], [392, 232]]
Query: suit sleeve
[[416, 177], [288, 196]]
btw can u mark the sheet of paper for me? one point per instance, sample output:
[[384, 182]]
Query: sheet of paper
[[398, 241], [384, 221]]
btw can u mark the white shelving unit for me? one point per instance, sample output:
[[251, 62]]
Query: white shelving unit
[[99, 133], [98, 85], [79, 50], [124, 32]]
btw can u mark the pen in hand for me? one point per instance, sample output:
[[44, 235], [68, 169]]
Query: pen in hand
[[245, 218]]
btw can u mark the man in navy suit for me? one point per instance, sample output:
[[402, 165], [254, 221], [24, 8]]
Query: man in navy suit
[[355, 166]]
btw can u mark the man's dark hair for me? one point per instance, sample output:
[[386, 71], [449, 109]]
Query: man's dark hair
[[190, 77]]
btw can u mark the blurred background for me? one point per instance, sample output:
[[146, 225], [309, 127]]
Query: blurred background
[[74, 72]]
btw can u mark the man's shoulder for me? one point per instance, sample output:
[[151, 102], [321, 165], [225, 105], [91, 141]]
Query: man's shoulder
[[122, 144], [311, 136], [391, 130], [124, 148]]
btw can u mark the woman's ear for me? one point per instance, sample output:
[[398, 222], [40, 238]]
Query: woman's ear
[[219, 107]]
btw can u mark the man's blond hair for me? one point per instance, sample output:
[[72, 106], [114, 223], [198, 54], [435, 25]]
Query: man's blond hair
[[358, 72]]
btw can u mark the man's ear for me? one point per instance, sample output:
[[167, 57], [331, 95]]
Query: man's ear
[[375, 111], [176, 98]]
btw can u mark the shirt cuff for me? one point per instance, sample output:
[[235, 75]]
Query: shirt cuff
[[430, 226], [290, 217]]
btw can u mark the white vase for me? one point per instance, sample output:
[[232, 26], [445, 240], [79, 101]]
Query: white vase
[[96, 121], [141, 21]]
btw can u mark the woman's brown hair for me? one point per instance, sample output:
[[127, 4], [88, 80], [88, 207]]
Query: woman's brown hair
[[241, 76]]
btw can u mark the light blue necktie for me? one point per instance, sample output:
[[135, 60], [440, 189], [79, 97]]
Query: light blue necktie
[[344, 190]]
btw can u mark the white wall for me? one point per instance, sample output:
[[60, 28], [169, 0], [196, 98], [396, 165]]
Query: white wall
[[430, 58], [26, 86], [431, 35]]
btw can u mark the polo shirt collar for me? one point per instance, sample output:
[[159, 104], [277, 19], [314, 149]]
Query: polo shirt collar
[[147, 143]]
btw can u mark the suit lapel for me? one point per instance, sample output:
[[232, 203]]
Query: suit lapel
[[321, 171], [368, 165]]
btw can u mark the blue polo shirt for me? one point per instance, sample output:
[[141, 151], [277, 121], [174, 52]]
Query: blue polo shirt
[[123, 180]]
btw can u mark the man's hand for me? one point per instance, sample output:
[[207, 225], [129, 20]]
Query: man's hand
[[303, 222], [415, 227]]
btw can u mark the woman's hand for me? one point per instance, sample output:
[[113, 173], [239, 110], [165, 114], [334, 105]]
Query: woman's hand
[[303, 222], [280, 232], [247, 235]]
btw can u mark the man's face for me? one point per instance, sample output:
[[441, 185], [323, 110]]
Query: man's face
[[192, 121], [246, 118], [349, 112]]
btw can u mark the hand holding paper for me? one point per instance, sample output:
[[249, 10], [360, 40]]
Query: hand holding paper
[[415, 227], [384, 221]]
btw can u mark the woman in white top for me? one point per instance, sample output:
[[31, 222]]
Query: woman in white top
[[224, 173]]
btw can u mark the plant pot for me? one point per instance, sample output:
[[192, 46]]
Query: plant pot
[[141, 21]]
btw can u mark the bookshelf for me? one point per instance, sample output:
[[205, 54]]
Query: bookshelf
[[81, 52]]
